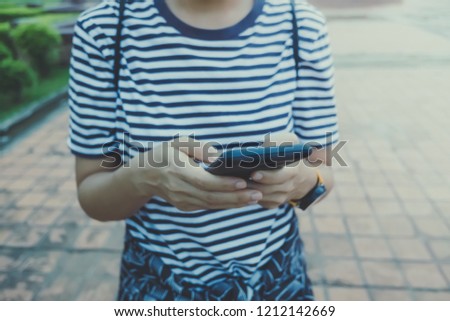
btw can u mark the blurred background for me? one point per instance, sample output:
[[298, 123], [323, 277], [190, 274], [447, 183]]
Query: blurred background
[[383, 233]]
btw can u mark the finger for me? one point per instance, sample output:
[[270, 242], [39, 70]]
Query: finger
[[217, 200], [285, 187], [193, 197], [274, 195], [269, 205], [206, 182], [273, 200], [185, 197], [273, 177], [196, 176], [200, 150]]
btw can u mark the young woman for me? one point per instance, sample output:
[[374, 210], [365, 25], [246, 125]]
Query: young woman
[[223, 72]]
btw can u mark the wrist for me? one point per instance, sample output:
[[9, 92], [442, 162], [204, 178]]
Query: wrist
[[142, 180], [313, 196]]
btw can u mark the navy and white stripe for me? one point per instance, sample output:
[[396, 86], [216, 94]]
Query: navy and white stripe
[[228, 86]]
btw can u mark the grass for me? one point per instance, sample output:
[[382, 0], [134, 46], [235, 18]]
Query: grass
[[51, 18], [12, 10], [11, 13], [5, 3], [54, 83]]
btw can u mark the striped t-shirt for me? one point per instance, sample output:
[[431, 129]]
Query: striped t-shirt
[[230, 86]]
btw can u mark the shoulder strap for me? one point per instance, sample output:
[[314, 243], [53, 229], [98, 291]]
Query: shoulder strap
[[117, 54], [295, 38]]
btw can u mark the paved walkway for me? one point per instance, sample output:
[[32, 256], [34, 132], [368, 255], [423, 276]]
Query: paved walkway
[[383, 234]]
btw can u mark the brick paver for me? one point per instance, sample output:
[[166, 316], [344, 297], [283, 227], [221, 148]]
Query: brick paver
[[383, 234]]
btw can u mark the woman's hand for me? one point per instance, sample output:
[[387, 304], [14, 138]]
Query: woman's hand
[[282, 185], [185, 184]]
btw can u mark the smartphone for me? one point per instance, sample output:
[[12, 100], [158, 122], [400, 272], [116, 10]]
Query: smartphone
[[242, 162]]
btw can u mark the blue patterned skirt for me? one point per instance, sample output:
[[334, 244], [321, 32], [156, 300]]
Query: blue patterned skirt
[[144, 276]]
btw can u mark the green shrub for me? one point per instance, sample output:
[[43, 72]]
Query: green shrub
[[5, 29], [5, 53], [16, 76], [11, 13], [6, 39], [40, 44]]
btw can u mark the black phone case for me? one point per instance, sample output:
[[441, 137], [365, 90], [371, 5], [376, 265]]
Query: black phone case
[[245, 163]]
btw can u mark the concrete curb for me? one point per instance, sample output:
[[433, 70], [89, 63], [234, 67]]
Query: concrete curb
[[31, 114]]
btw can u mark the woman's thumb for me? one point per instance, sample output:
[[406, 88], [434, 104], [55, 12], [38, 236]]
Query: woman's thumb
[[201, 151]]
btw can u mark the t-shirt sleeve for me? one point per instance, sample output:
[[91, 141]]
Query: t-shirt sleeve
[[314, 107], [92, 98]]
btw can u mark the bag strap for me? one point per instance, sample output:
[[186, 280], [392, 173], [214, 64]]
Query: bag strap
[[295, 39], [117, 58], [117, 55]]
